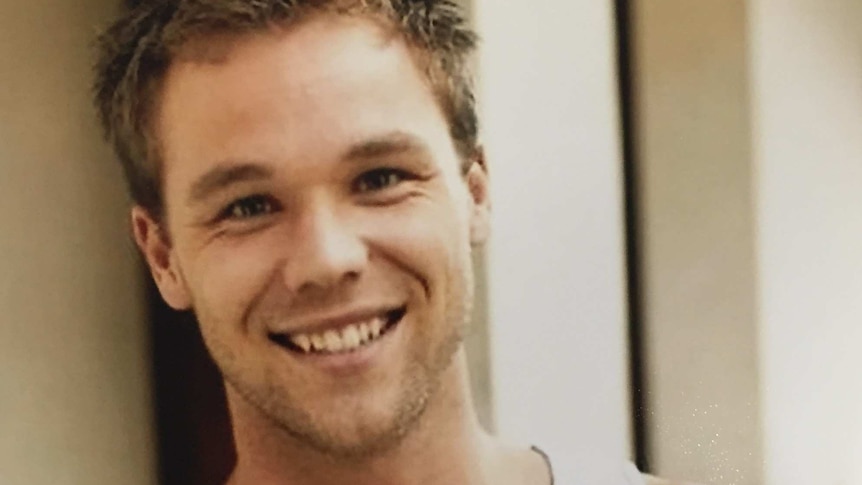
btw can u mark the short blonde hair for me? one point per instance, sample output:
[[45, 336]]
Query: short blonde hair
[[136, 51]]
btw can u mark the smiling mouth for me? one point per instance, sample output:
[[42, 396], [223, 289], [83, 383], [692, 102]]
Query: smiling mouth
[[345, 339]]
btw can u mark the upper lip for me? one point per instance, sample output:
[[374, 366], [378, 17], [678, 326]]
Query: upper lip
[[334, 320]]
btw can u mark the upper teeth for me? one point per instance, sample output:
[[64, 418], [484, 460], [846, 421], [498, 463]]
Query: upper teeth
[[345, 339]]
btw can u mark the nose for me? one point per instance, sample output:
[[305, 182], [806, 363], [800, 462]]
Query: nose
[[326, 251]]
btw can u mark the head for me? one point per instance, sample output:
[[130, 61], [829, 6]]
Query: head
[[136, 52], [306, 179]]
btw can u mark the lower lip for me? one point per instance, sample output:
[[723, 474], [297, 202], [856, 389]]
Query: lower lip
[[354, 361]]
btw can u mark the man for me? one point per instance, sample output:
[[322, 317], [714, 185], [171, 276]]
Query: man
[[307, 179]]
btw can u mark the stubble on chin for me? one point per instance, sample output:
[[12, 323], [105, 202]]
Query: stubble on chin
[[352, 433], [352, 436]]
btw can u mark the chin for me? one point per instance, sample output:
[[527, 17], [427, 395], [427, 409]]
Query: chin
[[356, 432]]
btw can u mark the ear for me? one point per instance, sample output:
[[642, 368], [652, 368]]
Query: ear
[[480, 215], [161, 259]]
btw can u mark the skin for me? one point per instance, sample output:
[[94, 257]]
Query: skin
[[310, 174]]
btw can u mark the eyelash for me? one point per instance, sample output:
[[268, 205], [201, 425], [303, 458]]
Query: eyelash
[[391, 178], [253, 206], [247, 208]]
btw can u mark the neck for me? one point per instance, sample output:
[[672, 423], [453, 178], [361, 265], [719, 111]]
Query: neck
[[447, 446]]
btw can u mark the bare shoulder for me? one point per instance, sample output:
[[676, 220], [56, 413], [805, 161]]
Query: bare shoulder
[[652, 480]]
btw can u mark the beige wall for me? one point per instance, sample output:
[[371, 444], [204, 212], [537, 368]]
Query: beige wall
[[807, 94], [697, 221], [556, 276], [750, 155], [74, 386]]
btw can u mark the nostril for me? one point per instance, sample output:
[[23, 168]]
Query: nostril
[[324, 283]]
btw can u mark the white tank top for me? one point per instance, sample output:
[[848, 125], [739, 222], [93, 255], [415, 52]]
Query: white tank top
[[589, 470]]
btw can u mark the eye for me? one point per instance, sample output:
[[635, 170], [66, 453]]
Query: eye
[[248, 207], [379, 179]]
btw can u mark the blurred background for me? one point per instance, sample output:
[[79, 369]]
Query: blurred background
[[675, 274]]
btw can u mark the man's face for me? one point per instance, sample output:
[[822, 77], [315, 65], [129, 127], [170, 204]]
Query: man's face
[[314, 197]]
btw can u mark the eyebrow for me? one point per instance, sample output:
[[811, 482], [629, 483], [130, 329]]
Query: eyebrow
[[225, 175], [393, 143], [229, 173]]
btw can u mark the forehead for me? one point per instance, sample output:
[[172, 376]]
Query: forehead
[[311, 89]]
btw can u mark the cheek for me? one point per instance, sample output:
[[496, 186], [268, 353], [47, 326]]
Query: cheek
[[227, 276], [429, 241]]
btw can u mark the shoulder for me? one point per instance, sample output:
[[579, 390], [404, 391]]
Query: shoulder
[[567, 467]]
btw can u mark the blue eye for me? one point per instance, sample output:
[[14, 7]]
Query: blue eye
[[248, 207], [379, 179]]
